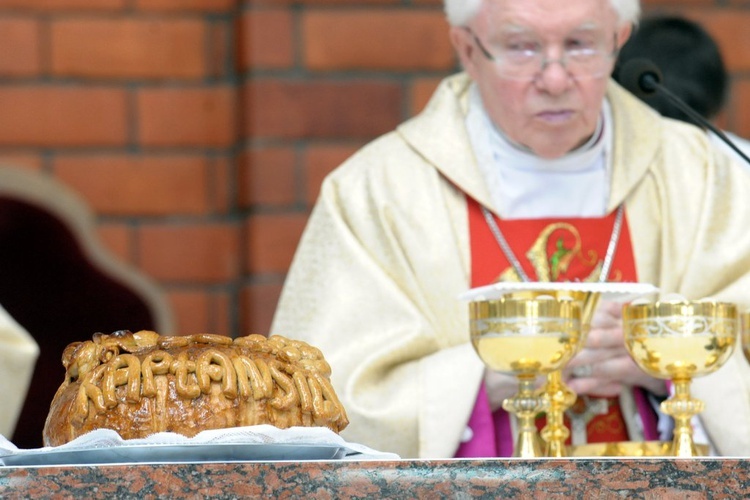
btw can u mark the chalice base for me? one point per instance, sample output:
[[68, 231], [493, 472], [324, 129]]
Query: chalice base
[[528, 445], [631, 449], [684, 447], [525, 405]]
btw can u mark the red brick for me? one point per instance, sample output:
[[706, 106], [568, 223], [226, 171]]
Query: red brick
[[188, 253], [224, 305], [21, 159], [729, 29], [371, 39], [266, 39], [198, 311], [322, 3], [187, 116], [258, 305], [186, 5], [128, 48], [20, 55], [191, 310], [321, 109], [421, 92], [739, 113], [117, 238], [220, 37], [272, 240], [319, 161], [221, 184], [267, 177], [139, 185], [62, 116], [63, 5]]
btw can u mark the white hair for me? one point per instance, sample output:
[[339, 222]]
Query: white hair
[[460, 12]]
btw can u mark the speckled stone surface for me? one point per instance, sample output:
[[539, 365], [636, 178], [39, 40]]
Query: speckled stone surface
[[494, 478]]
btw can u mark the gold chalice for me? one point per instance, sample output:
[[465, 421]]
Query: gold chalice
[[745, 333], [557, 393], [678, 339], [526, 337]]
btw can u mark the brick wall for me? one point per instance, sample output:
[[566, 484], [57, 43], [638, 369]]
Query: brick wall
[[135, 105], [200, 130]]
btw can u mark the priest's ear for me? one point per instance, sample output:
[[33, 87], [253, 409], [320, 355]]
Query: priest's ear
[[624, 30], [465, 49]]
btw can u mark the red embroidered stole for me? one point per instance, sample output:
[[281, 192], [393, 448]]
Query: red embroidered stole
[[566, 249]]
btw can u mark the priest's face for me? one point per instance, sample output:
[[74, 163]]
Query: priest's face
[[542, 67]]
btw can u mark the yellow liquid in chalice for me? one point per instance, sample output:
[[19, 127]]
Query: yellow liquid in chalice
[[532, 354], [675, 355]]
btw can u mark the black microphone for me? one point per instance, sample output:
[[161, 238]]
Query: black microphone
[[643, 78]]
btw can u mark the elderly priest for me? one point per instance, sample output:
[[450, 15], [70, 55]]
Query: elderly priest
[[535, 146]]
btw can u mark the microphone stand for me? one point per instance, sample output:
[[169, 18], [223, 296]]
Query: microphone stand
[[649, 80]]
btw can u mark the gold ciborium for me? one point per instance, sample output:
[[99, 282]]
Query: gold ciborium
[[677, 339], [526, 337]]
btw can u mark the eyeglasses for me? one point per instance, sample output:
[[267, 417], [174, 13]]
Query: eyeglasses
[[523, 57]]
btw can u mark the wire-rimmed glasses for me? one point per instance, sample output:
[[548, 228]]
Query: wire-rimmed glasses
[[525, 58]]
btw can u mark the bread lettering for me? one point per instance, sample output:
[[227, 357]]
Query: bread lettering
[[142, 383]]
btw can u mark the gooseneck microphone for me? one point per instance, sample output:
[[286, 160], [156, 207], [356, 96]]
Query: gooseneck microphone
[[643, 78]]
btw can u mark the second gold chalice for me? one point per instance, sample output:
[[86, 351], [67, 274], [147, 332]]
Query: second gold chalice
[[526, 337], [677, 339]]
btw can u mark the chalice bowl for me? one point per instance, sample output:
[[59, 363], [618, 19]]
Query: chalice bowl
[[526, 337], [677, 339]]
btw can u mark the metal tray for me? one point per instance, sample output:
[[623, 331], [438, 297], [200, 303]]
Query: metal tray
[[179, 453]]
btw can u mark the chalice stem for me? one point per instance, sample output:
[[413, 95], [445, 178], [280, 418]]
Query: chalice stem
[[559, 398], [525, 405], [682, 407]]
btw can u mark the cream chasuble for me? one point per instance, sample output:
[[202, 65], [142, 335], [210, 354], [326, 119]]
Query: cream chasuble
[[375, 280]]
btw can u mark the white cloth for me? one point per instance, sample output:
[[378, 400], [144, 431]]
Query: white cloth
[[110, 447], [18, 354]]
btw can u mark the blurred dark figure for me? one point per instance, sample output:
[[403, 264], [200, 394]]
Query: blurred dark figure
[[692, 68], [690, 62]]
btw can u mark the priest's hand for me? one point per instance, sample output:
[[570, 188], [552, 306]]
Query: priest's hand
[[604, 366]]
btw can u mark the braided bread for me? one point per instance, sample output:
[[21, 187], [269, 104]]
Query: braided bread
[[142, 383]]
